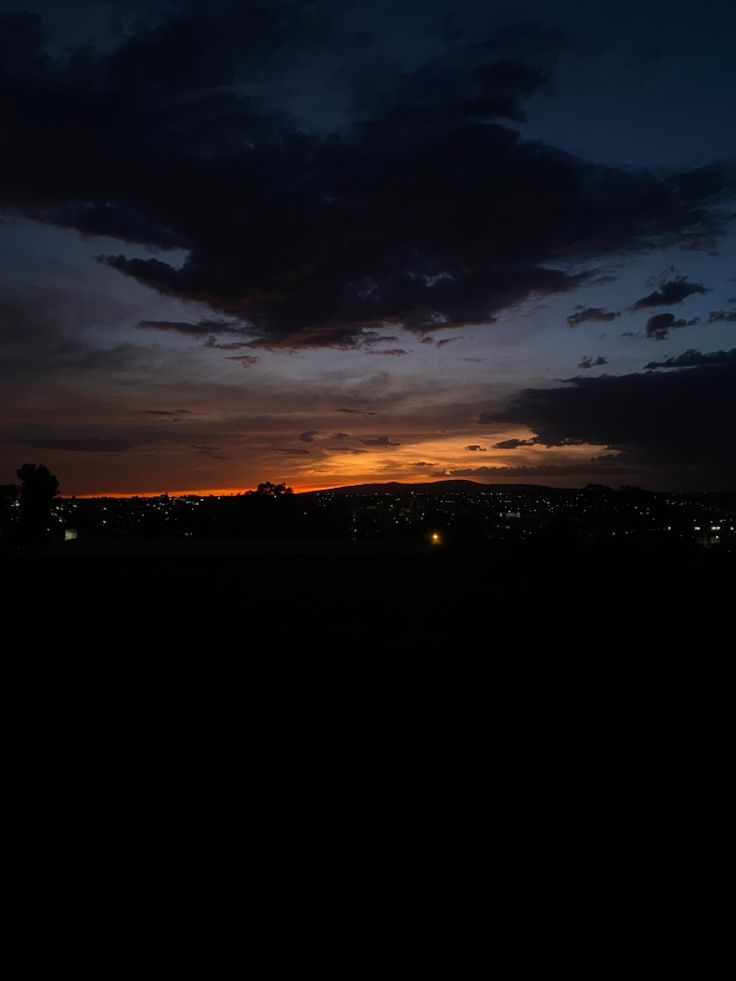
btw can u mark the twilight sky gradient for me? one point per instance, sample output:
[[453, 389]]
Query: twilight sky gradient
[[333, 242]]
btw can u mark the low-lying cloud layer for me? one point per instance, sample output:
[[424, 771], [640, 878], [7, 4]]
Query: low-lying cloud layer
[[677, 423]]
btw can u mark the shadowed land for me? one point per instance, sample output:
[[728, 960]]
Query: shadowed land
[[201, 750]]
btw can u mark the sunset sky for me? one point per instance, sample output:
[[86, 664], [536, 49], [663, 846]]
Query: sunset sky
[[331, 242]]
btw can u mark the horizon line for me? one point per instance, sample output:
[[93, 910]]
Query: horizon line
[[239, 491]]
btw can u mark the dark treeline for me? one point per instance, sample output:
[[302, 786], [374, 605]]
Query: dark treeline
[[469, 518]]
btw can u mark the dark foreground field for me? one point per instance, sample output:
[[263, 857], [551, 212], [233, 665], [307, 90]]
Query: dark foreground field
[[364, 765]]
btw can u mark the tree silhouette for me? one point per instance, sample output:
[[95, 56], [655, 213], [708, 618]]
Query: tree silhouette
[[38, 489], [267, 489]]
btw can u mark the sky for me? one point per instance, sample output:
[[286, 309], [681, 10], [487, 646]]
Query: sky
[[331, 242]]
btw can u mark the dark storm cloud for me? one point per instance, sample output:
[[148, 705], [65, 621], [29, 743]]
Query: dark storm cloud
[[595, 314], [670, 292], [692, 359], [379, 441], [111, 220], [476, 81], [203, 328], [672, 422], [660, 325], [79, 445], [513, 444], [592, 362], [722, 316], [425, 209]]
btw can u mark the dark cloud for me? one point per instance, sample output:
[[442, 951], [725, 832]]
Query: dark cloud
[[722, 316], [380, 441], [358, 412], [394, 352], [671, 291], [165, 412], [345, 449], [245, 359], [202, 328], [424, 209], [226, 345], [676, 425], [290, 451], [592, 362], [660, 325], [692, 359], [118, 221], [423, 463], [308, 436], [475, 448], [595, 314], [513, 444], [91, 444], [370, 337]]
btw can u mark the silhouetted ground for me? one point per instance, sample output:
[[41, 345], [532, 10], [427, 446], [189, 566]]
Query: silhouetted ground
[[364, 765]]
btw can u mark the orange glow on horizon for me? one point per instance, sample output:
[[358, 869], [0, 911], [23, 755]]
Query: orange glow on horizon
[[208, 492], [231, 491], [406, 459]]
